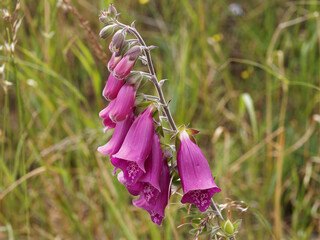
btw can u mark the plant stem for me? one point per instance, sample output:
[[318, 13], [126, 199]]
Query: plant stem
[[152, 72]]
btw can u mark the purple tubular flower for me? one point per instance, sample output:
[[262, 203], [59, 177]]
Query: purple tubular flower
[[107, 122], [123, 103], [124, 67], [197, 182], [114, 60], [156, 211], [112, 87], [153, 165], [118, 136], [136, 147]]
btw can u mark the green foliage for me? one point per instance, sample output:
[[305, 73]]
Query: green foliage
[[250, 86]]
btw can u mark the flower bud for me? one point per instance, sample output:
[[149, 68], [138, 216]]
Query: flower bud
[[134, 53], [107, 31], [124, 67], [112, 11], [114, 60], [117, 41], [112, 87], [104, 19], [125, 47], [228, 227], [123, 103]]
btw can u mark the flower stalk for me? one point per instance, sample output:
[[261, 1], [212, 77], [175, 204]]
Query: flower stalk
[[153, 79]]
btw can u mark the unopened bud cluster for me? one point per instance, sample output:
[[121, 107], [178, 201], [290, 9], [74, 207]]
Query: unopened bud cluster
[[135, 146]]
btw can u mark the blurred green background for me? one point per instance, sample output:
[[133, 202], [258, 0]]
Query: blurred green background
[[245, 73]]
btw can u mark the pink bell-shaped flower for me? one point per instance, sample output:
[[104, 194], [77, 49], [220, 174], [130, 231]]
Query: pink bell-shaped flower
[[153, 165], [148, 184], [197, 182], [123, 103], [112, 87], [136, 147], [157, 211], [118, 136]]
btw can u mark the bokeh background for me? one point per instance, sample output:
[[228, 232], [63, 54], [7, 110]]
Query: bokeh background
[[245, 73]]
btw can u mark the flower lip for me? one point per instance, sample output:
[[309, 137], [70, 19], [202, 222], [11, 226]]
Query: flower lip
[[200, 198]]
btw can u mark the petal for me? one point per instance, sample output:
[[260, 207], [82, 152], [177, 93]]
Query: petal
[[123, 68], [131, 170], [134, 189], [138, 142], [200, 198], [118, 136], [112, 87], [153, 164], [157, 210], [123, 103]]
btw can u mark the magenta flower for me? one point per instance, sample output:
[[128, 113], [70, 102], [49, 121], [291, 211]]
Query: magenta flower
[[112, 87], [114, 60], [136, 147], [156, 211], [148, 184], [118, 136], [153, 165], [134, 189], [123, 103], [197, 182], [124, 67], [104, 113]]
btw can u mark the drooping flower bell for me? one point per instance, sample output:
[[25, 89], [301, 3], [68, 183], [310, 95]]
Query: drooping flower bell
[[153, 165], [157, 211], [104, 113], [123, 104], [112, 87], [118, 136], [148, 184], [136, 147], [197, 182], [124, 67]]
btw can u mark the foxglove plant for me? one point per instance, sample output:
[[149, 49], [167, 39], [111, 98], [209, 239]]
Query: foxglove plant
[[135, 146]]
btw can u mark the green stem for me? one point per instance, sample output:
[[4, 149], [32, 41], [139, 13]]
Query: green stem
[[153, 73]]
